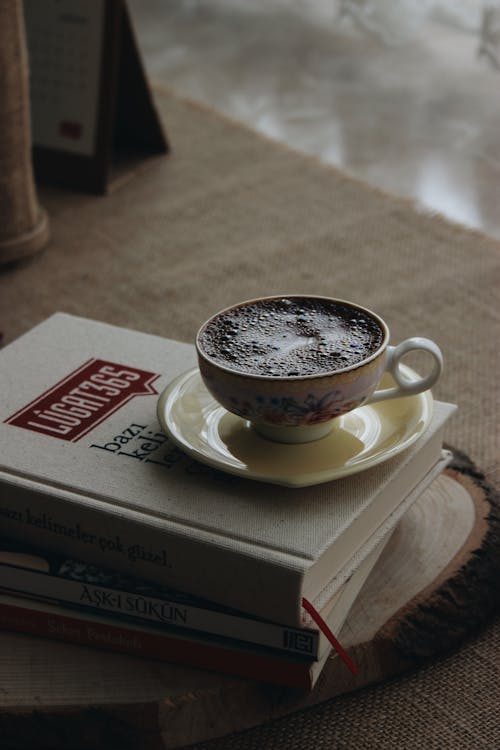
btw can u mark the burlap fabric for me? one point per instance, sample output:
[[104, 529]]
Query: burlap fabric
[[229, 216]]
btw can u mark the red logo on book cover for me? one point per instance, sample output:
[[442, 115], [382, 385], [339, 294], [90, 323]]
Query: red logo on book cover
[[84, 399]]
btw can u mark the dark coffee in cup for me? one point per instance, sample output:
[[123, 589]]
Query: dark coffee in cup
[[291, 337]]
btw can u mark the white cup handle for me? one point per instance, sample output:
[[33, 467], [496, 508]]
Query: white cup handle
[[405, 387]]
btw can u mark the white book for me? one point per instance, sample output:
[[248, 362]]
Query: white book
[[86, 471]]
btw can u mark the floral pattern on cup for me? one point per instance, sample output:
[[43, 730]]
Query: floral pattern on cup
[[288, 411], [304, 402]]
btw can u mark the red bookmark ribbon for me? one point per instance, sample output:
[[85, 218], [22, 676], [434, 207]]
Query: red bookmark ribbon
[[328, 633]]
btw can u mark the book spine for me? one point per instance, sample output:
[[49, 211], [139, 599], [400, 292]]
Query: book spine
[[266, 583], [141, 608], [126, 541], [110, 637]]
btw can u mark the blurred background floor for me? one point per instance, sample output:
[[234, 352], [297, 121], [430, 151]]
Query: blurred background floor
[[415, 111]]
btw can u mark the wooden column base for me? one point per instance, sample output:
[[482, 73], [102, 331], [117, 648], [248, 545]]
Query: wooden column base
[[432, 587], [27, 243]]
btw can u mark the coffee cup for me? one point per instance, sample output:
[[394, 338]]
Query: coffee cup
[[293, 364]]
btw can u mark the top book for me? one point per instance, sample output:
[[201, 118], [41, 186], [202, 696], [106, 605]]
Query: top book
[[85, 470]]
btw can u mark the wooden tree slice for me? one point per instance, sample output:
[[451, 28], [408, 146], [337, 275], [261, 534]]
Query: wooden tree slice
[[430, 589]]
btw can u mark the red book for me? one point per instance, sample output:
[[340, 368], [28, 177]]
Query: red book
[[212, 653]]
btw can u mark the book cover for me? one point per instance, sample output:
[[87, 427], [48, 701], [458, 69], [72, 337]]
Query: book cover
[[86, 471]]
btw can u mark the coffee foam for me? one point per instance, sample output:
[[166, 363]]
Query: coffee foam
[[291, 337]]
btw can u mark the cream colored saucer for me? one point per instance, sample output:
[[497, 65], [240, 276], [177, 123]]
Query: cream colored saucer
[[360, 439]]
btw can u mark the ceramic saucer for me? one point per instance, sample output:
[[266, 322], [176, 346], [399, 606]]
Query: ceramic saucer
[[360, 439]]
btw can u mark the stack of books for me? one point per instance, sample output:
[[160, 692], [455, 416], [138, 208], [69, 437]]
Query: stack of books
[[113, 537]]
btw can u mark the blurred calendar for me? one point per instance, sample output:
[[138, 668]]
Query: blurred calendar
[[65, 39], [89, 95]]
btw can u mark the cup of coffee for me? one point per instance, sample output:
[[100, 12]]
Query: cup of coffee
[[292, 364]]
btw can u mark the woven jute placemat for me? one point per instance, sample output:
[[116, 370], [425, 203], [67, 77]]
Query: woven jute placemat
[[228, 216]]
